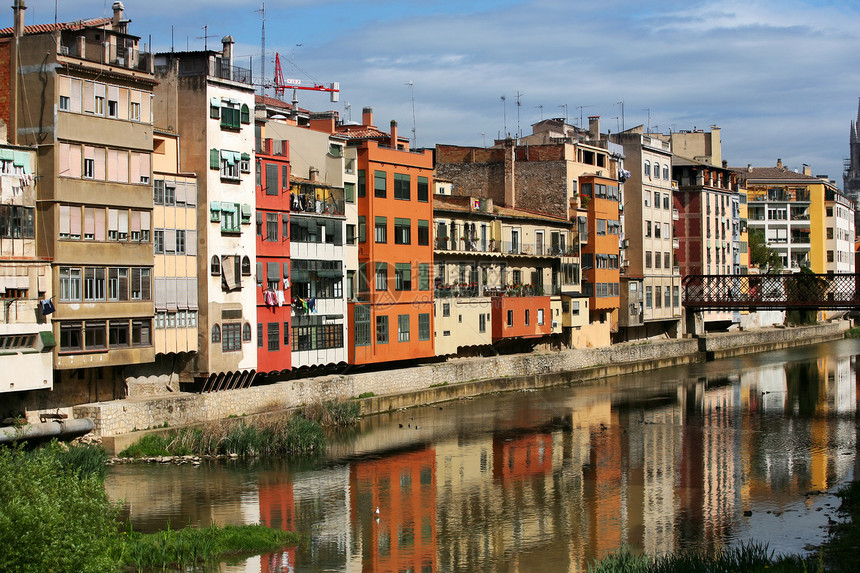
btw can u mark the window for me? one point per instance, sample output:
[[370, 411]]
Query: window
[[246, 266], [286, 335], [18, 222], [245, 114], [350, 234], [657, 229], [380, 231], [648, 168], [382, 330], [64, 103], [118, 333], [446, 309], [231, 337], [274, 336], [381, 276], [118, 283], [349, 192], [402, 276], [272, 179], [70, 284], [180, 241], [482, 322], [830, 232], [403, 328], [272, 227], [215, 266], [648, 297], [601, 227], [666, 260], [665, 174], [658, 299], [362, 183], [379, 184], [668, 298], [647, 228], [140, 283], [216, 334], [95, 335], [423, 190], [246, 332], [71, 336], [362, 325], [424, 326], [423, 276], [528, 315], [362, 229], [423, 232], [510, 317], [230, 116], [666, 200], [140, 332], [94, 283], [402, 231], [401, 186], [134, 111], [540, 316], [647, 259], [656, 199], [656, 176]]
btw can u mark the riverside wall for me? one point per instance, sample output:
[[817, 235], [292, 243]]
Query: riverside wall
[[414, 386]]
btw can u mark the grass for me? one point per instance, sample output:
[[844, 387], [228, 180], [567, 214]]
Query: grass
[[184, 548], [333, 413], [366, 395]]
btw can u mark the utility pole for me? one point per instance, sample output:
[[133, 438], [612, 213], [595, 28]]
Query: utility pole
[[540, 107], [621, 103], [648, 109]]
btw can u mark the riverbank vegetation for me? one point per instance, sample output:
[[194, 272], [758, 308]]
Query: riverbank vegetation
[[56, 516], [269, 435]]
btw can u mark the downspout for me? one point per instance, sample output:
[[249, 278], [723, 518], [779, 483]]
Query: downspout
[[17, 32]]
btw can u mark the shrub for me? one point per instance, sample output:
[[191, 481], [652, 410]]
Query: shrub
[[56, 515]]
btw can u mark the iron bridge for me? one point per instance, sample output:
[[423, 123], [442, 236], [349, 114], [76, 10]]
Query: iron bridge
[[799, 291]]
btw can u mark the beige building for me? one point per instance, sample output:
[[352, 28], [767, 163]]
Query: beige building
[[175, 245], [82, 93], [650, 279], [487, 259], [209, 102]]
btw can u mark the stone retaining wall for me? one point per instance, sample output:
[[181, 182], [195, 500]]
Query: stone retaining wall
[[409, 386]]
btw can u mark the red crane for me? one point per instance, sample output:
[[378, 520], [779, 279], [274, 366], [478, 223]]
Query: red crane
[[281, 84]]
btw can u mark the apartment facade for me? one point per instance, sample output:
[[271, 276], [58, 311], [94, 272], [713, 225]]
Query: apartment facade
[[321, 193], [208, 101], [650, 280], [174, 221], [805, 219], [502, 276], [26, 338], [272, 164], [393, 313], [91, 116]]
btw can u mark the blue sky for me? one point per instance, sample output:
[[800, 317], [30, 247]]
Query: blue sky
[[781, 78]]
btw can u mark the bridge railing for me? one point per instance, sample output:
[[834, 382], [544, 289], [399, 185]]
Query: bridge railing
[[778, 291]]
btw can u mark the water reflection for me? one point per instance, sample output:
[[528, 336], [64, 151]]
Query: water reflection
[[549, 480]]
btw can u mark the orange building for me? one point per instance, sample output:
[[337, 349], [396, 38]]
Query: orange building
[[522, 317], [600, 254], [392, 312]]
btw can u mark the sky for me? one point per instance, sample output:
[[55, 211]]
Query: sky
[[781, 78]]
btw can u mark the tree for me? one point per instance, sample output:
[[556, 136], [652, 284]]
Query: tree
[[762, 255]]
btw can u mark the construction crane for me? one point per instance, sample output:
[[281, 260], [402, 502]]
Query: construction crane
[[281, 84]]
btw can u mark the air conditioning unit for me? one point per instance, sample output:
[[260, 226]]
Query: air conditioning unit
[[120, 61], [555, 324], [64, 50]]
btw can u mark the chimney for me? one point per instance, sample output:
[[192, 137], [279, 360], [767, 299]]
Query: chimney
[[394, 134], [367, 116], [807, 170], [227, 51], [749, 167], [117, 21], [313, 174], [594, 126], [779, 163], [19, 8]]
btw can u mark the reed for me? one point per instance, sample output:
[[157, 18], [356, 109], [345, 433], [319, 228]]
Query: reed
[[333, 413]]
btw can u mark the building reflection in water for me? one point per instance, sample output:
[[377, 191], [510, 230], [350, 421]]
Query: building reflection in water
[[556, 480]]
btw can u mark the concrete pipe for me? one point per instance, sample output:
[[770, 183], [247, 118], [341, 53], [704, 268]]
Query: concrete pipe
[[60, 429]]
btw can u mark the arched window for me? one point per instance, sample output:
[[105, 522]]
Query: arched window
[[246, 266], [215, 266], [665, 173], [648, 168], [246, 332], [216, 333], [246, 114]]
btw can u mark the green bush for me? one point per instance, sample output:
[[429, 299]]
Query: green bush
[[55, 513]]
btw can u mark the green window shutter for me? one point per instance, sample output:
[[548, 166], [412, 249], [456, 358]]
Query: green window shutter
[[246, 213], [215, 211], [423, 276], [214, 108], [214, 159], [246, 114]]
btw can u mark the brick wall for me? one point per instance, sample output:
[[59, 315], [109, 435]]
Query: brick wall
[[5, 81]]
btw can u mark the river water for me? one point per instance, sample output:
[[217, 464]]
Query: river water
[[700, 456]]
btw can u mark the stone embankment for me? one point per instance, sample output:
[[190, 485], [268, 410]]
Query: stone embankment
[[120, 422]]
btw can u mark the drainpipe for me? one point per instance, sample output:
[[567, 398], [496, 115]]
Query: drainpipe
[[18, 31]]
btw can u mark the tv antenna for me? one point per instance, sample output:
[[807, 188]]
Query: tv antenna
[[540, 107], [580, 108], [262, 10], [505, 113], [648, 109], [412, 93], [519, 95], [205, 37], [564, 107]]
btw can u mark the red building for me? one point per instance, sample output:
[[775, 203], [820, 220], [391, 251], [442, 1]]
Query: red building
[[273, 255], [393, 318]]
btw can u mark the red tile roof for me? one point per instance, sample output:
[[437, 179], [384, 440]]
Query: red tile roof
[[48, 28], [461, 204], [363, 132], [771, 173]]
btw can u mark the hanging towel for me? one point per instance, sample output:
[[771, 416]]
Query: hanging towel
[[279, 296], [46, 306]]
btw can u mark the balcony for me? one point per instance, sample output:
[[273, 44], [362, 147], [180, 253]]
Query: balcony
[[505, 248], [675, 215], [676, 244], [471, 290]]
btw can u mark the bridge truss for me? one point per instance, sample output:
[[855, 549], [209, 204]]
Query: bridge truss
[[799, 291]]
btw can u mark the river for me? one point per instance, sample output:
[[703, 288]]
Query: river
[[699, 456]]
